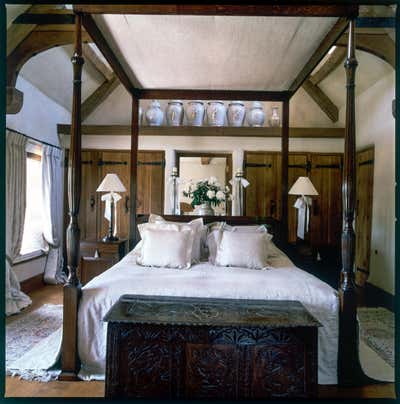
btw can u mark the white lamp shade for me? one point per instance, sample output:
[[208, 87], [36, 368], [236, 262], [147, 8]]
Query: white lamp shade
[[111, 183], [303, 186]]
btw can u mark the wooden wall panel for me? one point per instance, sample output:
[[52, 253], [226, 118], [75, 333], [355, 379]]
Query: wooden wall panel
[[263, 171], [90, 199], [150, 191], [364, 194], [326, 216]]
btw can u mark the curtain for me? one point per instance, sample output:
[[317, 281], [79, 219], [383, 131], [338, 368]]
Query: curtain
[[52, 191], [16, 300]]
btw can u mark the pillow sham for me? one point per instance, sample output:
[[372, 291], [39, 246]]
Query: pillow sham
[[199, 233], [243, 249], [167, 247]]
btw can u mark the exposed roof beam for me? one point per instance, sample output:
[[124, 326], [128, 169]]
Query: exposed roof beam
[[165, 94], [125, 130], [323, 101], [326, 44], [41, 19], [265, 9], [98, 96], [17, 33], [98, 38], [15, 99], [36, 42], [90, 55], [332, 62], [379, 45]]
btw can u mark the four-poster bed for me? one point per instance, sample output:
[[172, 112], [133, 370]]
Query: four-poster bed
[[349, 369]]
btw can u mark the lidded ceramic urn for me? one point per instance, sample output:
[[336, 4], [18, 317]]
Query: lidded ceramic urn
[[174, 113], [256, 114], [216, 113], [195, 113], [236, 113], [154, 114]]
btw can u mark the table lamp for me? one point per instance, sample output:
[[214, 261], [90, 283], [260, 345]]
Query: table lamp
[[112, 184], [304, 188]]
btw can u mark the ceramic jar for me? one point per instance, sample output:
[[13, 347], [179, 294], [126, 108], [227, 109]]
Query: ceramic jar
[[154, 114], [174, 113], [256, 114], [275, 120], [195, 113], [236, 113], [216, 113]]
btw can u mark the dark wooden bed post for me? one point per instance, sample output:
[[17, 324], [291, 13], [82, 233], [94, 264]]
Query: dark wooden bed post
[[72, 288], [134, 156], [285, 170], [350, 372]]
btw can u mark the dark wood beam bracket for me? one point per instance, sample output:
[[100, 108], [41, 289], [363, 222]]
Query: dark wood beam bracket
[[326, 44], [44, 19], [125, 130], [91, 27], [214, 94]]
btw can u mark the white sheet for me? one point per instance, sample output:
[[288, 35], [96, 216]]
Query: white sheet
[[282, 282]]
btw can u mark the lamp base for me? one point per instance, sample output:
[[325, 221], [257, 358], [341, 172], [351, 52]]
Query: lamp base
[[108, 239]]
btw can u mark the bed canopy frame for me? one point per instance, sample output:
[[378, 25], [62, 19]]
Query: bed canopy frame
[[349, 368]]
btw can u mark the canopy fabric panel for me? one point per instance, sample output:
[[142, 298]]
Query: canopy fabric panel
[[213, 52]]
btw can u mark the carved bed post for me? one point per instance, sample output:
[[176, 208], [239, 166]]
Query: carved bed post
[[72, 288], [349, 369], [134, 160], [285, 167]]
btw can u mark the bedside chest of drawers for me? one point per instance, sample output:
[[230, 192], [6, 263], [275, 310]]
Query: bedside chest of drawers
[[109, 253]]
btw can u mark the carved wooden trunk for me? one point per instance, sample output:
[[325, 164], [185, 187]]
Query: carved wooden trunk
[[175, 347]]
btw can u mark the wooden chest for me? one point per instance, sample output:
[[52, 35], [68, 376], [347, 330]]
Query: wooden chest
[[178, 347]]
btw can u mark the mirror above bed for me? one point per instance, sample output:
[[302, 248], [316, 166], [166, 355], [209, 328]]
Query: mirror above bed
[[203, 181]]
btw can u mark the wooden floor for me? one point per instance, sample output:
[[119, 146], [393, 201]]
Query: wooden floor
[[53, 294]]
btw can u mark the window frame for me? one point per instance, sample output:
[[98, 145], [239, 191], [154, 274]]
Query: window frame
[[32, 255]]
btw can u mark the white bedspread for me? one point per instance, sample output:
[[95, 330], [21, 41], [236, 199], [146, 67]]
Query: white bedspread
[[282, 282]]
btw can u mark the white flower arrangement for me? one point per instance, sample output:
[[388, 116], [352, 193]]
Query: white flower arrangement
[[206, 191]]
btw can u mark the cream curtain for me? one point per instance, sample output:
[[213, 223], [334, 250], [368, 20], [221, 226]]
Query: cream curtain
[[16, 300], [52, 190]]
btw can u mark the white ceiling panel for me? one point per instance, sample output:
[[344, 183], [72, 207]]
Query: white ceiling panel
[[213, 52]]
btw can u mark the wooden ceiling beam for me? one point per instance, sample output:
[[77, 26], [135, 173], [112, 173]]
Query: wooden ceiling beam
[[90, 55], [230, 95], [42, 19], [98, 38], [324, 47], [36, 42], [125, 130], [332, 62], [98, 96], [380, 45], [322, 100], [267, 8]]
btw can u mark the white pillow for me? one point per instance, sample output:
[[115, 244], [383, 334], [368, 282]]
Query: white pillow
[[171, 248], [243, 249], [199, 233], [247, 229]]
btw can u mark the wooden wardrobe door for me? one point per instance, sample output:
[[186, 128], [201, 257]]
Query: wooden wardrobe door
[[90, 199], [150, 187], [326, 216], [297, 168], [263, 171], [117, 162], [365, 188]]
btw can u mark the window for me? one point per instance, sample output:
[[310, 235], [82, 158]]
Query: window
[[32, 240]]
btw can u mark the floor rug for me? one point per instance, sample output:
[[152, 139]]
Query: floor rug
[[377, 331], [32, 342]]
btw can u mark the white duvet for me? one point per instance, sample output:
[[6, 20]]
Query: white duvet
[[283, 281]]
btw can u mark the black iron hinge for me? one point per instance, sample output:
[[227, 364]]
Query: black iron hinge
[[257, 165]]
